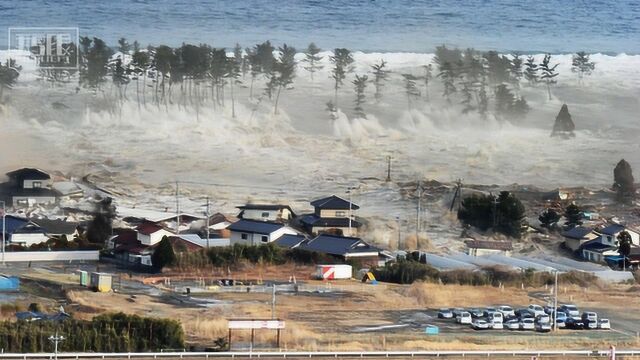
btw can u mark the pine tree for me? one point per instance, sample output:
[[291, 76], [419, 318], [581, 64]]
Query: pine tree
[[233, 74], [483, 101], [448, 76], [531, 70], [549, 73], [582, 65], [623, 181], [549, 218], [9, 74], [516, 70], [285, 70], [573, 215], [123, 46], [410, 88], [467, 97], [360, 84], [427, 79], [140, 63], [312, 59], [342, 61], [379, 77], [504, 100]]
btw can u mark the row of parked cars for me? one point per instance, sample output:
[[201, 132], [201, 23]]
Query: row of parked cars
[[533, 317]]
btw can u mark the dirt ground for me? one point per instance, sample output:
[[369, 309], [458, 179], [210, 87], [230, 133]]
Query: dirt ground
[[349, 315]]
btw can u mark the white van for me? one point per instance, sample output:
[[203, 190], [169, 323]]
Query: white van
[[464, 318], [495, 316]]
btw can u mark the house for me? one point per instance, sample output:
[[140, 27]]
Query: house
[[68, 190], [290, 241], [37, 231], [596, 251], [150, 233], [28, 187], [486, 247], [578, 236], [13, 223], [254, 232], [610, 234], [344, 248], [332, 214], [266, 212]]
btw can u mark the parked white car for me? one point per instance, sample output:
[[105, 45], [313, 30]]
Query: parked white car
[[495, 316], [512, 324], [543, 327], [506, 310], [479, 324], [464, 318], [543, 319], [497, 325], [604, 324], [527, 324], [536, 310], [571, 310]]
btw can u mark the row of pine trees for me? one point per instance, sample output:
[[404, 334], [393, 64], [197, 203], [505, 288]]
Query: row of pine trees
[[196, 75], [104, 333]]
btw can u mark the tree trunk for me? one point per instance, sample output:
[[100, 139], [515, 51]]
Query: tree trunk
[[549, 90], [233, 100], [275, 108]]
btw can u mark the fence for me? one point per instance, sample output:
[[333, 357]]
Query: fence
[[26, 256], [322, 354]]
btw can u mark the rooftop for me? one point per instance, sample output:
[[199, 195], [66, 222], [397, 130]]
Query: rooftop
[[56, 227], [578, 232], [315, 220], [491, 245], [333, 202], [289, 241], [148, 228], [29, 173], [338, 245], [255, 226], [264, 207], [612, 229]]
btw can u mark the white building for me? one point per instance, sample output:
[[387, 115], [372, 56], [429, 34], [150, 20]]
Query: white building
[[150, 234], [610, 234], [266, 212], [253, 232]]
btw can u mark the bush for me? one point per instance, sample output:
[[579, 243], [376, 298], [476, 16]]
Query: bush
[[105, 333], [505, 213], [405, 272]]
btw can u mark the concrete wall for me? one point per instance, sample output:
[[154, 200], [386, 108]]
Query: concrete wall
[[25, 256], [32, 200], [28, 184], [27, 240], [330, 213]]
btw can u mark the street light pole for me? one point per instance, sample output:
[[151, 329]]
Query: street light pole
[[56, 340], [207, 222]]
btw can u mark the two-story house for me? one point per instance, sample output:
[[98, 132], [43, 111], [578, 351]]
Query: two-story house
[[332, 214], [266, 212], [255, 232], [28, 187]]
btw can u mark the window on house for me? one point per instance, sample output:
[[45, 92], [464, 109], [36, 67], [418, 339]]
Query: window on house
[[265, 214], [341, 214], [265, 239], [22, 202], [37, 184], [244, 236]]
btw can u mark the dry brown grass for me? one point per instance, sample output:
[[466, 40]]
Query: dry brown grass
[[435, 295]]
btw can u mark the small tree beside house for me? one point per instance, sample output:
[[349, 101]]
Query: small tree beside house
[[163, 254], [624, 247]]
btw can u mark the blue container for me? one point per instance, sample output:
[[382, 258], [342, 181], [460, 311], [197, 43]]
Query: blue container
[[9, 283], [432, 330]]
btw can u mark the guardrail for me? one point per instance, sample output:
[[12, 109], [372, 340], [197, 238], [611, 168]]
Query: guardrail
[[318, 354]]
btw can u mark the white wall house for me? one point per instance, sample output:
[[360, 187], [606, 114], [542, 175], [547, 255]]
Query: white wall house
[[266, 212], [151, 234], [253, 232], [610, 234]]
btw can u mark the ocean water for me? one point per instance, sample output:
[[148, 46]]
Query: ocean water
[[556, 26]]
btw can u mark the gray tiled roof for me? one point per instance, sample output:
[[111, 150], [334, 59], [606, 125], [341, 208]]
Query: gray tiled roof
[[337, 245], [333, 202], [254, 226]]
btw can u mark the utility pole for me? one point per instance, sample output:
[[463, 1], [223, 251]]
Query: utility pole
[[399, 241], [56, 340], [555, 302], [349, 191], [419, 189], [495, 210], [177, 209], [389, 168], [273, 302], [207, 222], [4, 228]]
